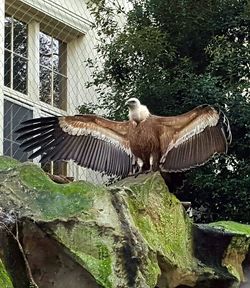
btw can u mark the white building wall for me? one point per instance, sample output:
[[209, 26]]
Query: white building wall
[[73, 13], [79, 50]]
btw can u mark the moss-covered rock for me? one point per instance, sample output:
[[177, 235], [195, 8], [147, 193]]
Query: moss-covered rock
[[132, 234], [237, 249], [233, 227], [5, 281], [8, 163]]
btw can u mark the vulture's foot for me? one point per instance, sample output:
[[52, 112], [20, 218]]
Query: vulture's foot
[[136, 174], [147, 171]]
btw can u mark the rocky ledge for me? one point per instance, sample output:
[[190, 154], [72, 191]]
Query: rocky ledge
[[134, 234]]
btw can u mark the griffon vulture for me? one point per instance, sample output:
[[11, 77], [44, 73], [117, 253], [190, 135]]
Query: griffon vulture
[[144, 142]]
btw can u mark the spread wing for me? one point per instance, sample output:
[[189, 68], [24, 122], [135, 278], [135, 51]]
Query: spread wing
[[190, 139], [91, 141]]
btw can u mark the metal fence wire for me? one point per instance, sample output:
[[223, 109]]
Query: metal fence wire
[[45, 46]]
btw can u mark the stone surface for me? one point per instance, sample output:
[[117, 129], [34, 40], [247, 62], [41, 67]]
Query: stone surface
[[132, 234]]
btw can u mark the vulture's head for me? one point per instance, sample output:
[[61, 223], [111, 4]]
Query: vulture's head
[[133, 103], [137, 111]]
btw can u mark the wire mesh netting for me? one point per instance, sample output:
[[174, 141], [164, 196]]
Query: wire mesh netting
[[45, 46]]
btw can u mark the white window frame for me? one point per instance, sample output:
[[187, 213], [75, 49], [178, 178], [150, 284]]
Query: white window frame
[[30, 100], [32, 97], [14, 53], [17, 102], [53, 72]]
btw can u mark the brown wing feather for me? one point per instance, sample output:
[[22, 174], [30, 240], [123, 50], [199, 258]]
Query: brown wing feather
[[181, 120], [191, 139], [89, 140]]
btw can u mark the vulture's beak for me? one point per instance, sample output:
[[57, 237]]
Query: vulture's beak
[[129, 103], [132, 103]]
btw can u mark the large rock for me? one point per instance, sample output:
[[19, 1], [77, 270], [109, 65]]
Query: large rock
[[133, 234]]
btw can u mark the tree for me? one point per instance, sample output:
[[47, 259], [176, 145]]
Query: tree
[[175, 55]]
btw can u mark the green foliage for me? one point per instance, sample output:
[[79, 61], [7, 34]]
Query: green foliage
[[175, 55]]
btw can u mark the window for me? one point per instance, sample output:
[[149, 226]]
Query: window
[[13, 115], [51, 80], [15, 55], [52, 71], [45, 79], [52, 63]]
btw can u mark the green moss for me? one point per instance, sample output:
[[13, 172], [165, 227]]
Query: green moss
[[166, 230], [35, 178], [100, 268], [5, 281], [232, 226], [153, 271], [90, 249], [7, 163], [54, 200]]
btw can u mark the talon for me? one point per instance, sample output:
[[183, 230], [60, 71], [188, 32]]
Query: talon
[[136, 174], [139, 172]]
